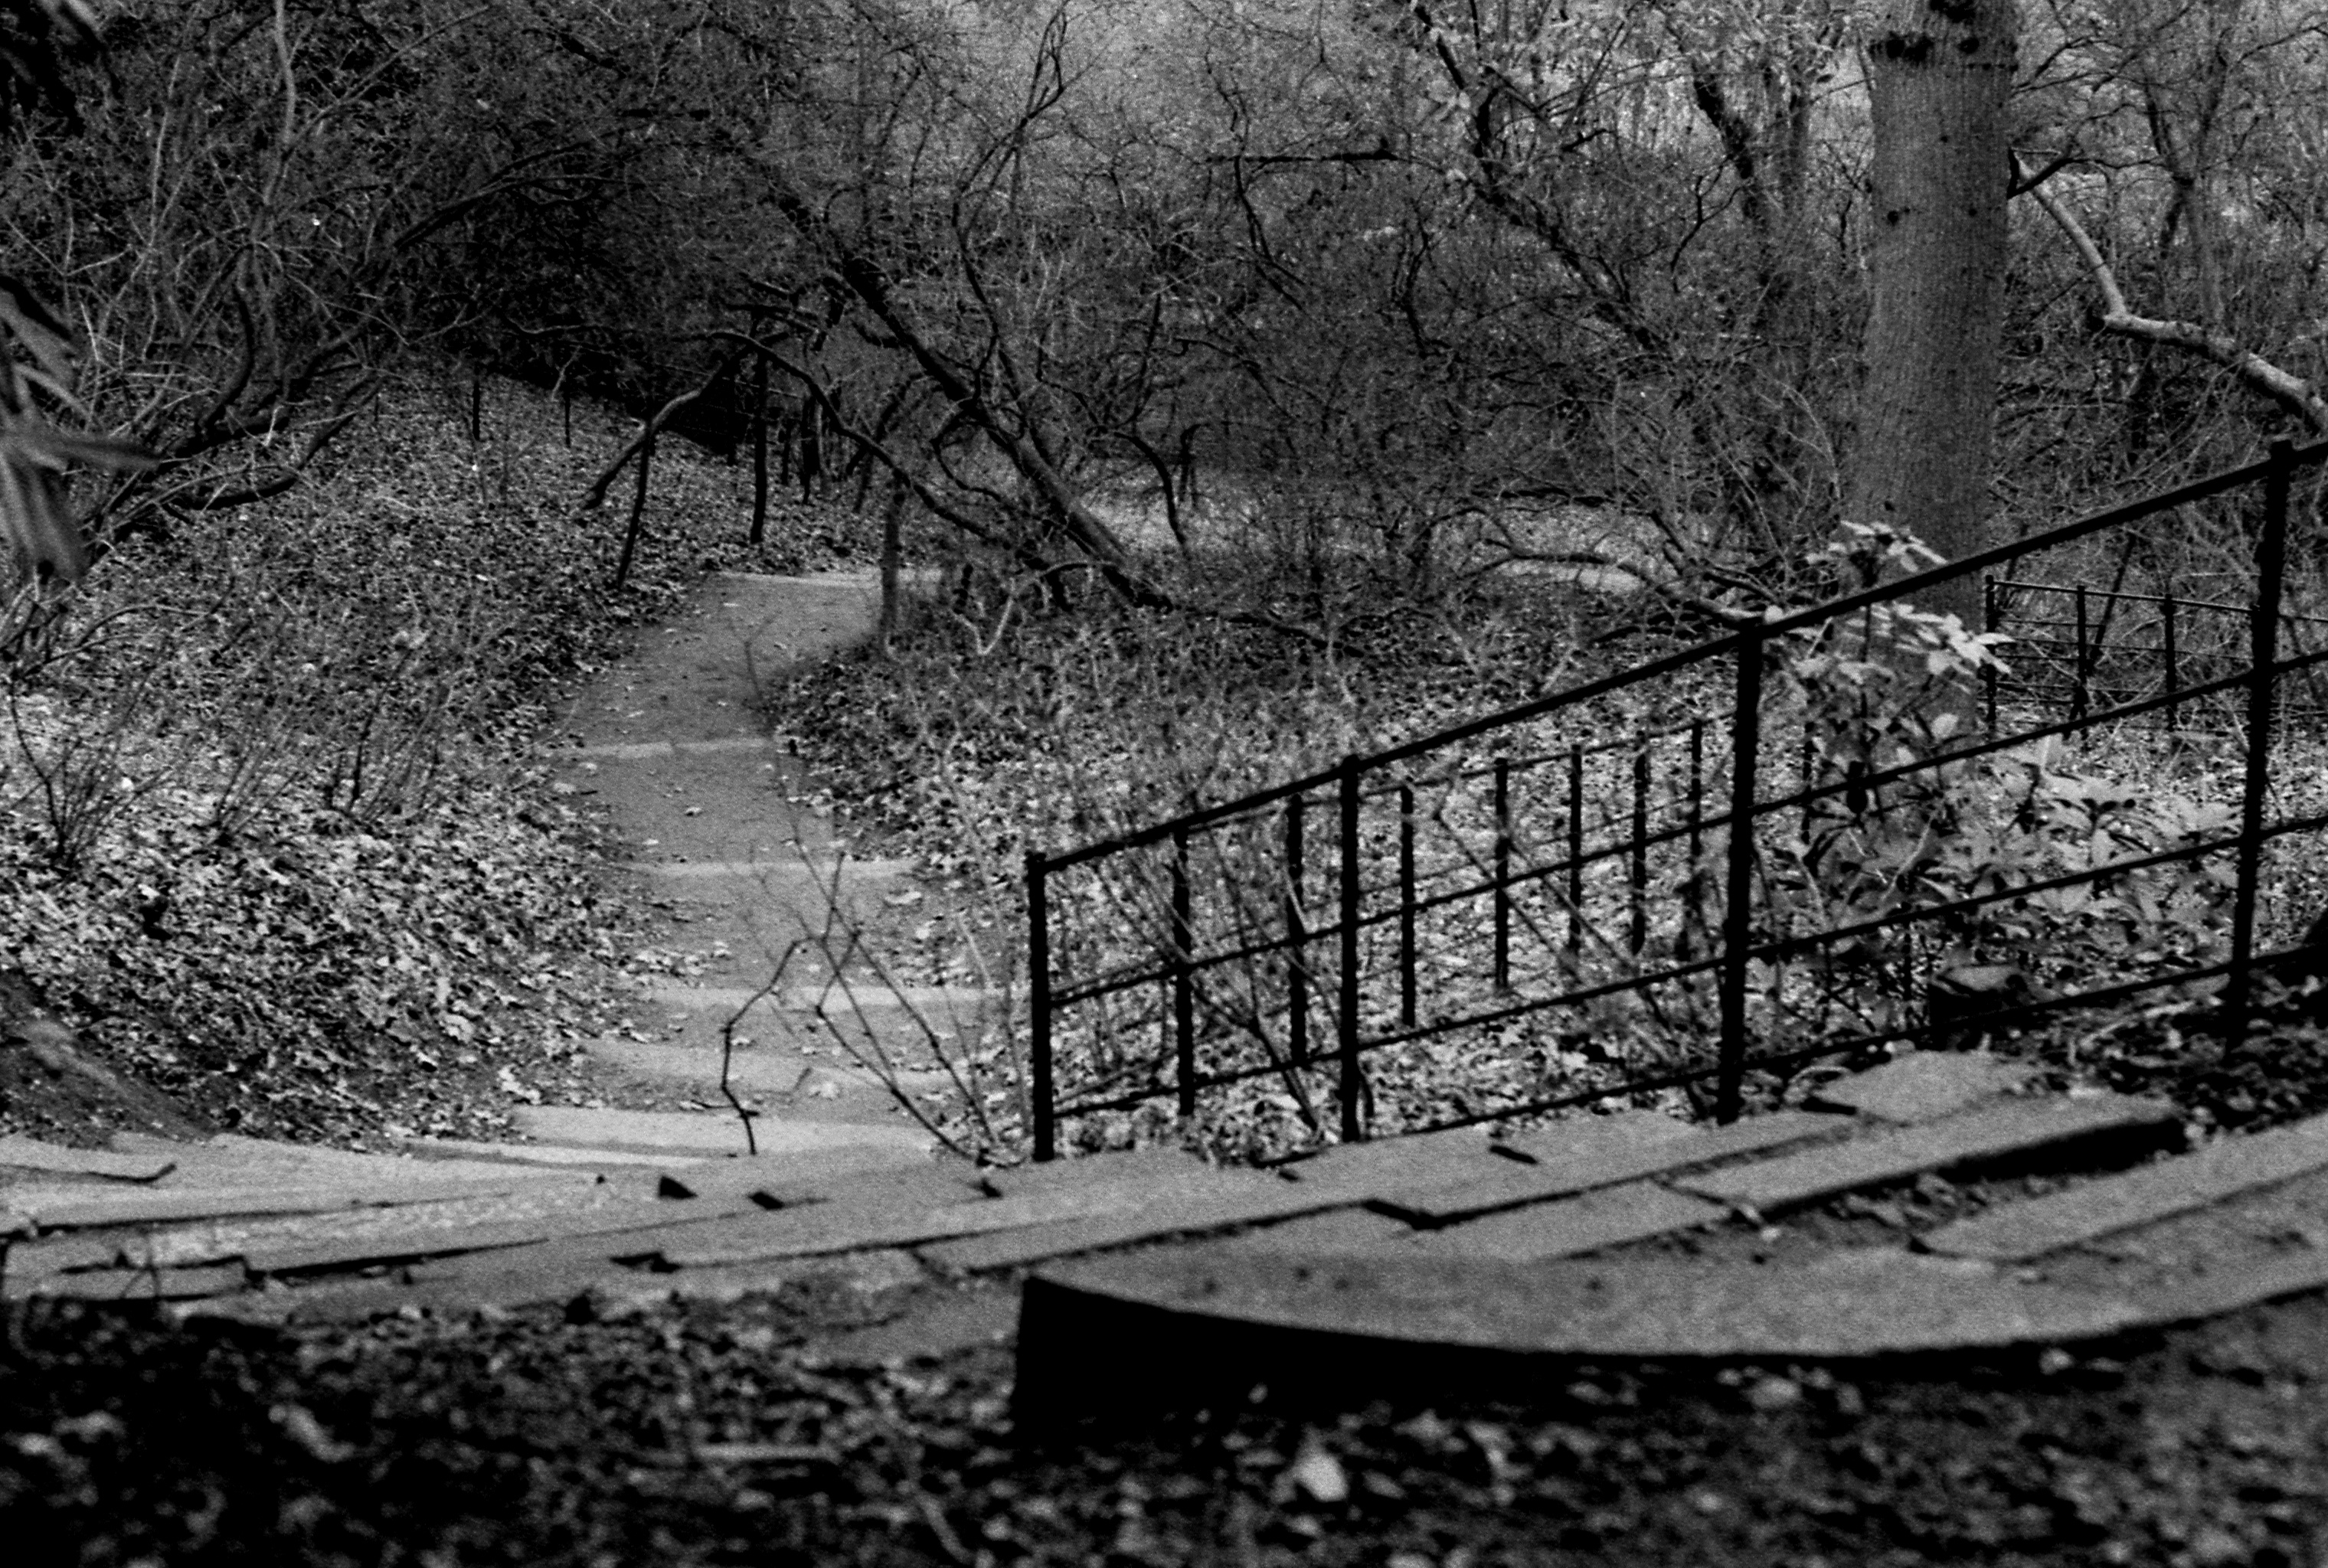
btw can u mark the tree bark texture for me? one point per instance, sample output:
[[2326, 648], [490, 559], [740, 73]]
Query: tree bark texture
[[1938, 73]]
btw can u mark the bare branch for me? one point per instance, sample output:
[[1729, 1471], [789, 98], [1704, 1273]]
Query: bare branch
[[2292, 392]]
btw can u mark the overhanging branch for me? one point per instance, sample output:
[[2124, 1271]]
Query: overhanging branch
[[2292, 392]]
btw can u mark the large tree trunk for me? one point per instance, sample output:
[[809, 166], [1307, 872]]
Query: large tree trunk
[[1939, 72]]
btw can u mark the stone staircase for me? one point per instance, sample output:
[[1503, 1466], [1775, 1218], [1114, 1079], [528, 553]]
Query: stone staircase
[[716, 824], [1941, 1202], [2073, 1217]]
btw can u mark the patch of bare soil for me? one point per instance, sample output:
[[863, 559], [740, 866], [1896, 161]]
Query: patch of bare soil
[[720, 1435]]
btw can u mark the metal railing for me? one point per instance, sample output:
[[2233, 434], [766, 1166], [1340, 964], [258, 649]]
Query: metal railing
[[1526, 913]]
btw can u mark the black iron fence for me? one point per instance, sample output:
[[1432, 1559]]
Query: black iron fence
[[2077, 648], [1734, 860]]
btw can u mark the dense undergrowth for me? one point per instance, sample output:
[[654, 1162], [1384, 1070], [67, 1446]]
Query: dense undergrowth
[[994, 729], [274, 836]]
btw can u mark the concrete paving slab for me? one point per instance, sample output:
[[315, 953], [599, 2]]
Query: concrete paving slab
[[1213, 1317], [1338, 1230], [19, 1154], [215, 1241], [811, 1231], [839, 1176], [1568, 1227], [1518, 1184], [2231, 1234], [32, 1260], [2022, 1131], [650, 750], [2205, 1177], [2211, 1295], [1164, 1165], [1382, 1165], [1924, 1086], [1586, 1137], [712, 1133], [616, 1226], [228, 1161], [1243, 1204], [556, 1270], [77, 1208], [766, 1070], [559, 1155], [785, 877]]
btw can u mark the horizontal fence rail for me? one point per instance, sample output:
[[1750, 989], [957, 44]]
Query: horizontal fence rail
[[1527, 913]]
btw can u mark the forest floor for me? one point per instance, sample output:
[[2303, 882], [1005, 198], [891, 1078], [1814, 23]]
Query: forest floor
[[756, 1430]]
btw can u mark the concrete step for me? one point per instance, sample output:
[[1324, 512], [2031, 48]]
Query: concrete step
[[1591, 1137], [2160, 1191], [1456, 1157], [1605, 1217], [548, 1154], [1514, 1184], [808, 1082], [21, 1154], [780, 877], [1165, 1213], [941, 1005], [714, 1133], [660, 750], [811, 1232], [83, 1208], [2017, 1132], [1924, 1086], [867, 1023], [1213, 1320]]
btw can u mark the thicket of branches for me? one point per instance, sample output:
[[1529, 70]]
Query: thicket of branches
[[1378, 287]]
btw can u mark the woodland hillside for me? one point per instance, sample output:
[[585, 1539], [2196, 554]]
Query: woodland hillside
[[1359, 363]]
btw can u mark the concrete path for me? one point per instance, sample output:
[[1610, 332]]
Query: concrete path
[[717, 825]]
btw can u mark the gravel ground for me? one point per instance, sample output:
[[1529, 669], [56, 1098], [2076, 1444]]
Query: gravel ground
[[601, 1435]]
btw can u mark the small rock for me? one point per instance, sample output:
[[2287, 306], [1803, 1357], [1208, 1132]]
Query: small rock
[[1772, 1393], [2215, 1547], [1319, 1475], [299, 1425]]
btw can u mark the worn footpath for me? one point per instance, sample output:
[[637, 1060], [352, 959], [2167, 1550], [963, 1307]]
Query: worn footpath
[[1942, 1202]]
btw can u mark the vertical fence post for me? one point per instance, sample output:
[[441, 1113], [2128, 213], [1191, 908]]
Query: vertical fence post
[[2271, 562], [1406, 906], [1737, 921], [1990, 612], [759, 448], [1694, 884], [1636, 935], [1353, 1082], [1184, 979], [1038, 1004], [1297, 959], [1503, 873], [1575, 848], [2079, 698], [2174, 662]]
